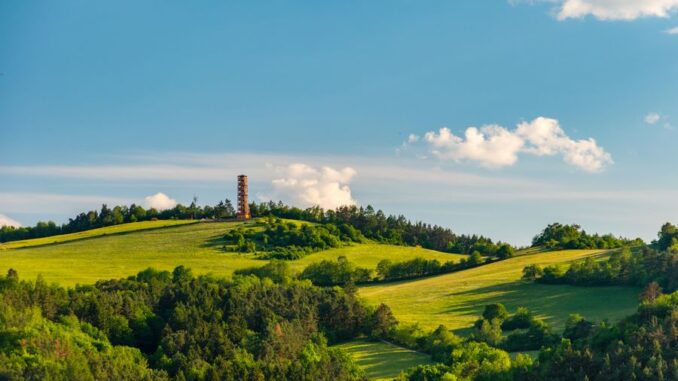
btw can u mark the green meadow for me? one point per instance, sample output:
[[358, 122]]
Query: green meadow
[[383, 361], [123, 250], [457, 299]]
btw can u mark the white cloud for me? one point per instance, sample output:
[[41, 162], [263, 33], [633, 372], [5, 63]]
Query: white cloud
[[304, 185], [616, 9], [159, 201], [494, 146], [413, 138], [673, 30], [652, 118], [6, 221]]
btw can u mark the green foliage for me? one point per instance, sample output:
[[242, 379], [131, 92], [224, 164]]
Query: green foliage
[[641, 347], [187, 328], [288, 240], [558, 236], [34, 348], [495, 311], [115, 216], [621, 268], [335, 273], [375, 225], [276, 270]]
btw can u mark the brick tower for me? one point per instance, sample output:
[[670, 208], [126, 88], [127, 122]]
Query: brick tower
[[243, 203]]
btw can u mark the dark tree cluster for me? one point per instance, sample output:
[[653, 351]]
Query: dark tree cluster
[[625, 267], [162, 325], [279, 239], [335, 273], [521, 331], [421, 267], [641, 347], [396, 230], [114, 216], [559, 236]]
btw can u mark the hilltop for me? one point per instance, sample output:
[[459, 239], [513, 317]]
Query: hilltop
[[122, 250]]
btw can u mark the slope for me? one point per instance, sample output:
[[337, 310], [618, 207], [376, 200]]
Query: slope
[[457, 299], [113, 253]]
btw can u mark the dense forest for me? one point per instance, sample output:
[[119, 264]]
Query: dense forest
[[160, 325]]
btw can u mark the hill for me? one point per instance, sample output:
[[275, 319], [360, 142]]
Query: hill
[[122, 250], [457, 299]]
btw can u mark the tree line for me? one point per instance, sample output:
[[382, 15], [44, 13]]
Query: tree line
[[557, 236], [623, 267], [114, 216]]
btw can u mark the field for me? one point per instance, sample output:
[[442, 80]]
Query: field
[[457, 299], [383, 361], [109, 230], [123, 250]]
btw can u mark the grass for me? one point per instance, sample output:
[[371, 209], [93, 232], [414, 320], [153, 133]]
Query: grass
[[383, 361], [123, 250], [457, 299], [368, 255], [109, 230]]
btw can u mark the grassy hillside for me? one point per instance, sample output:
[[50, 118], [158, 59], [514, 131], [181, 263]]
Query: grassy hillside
[[457, 299], [123, 250], [383, 361], [109, 230]]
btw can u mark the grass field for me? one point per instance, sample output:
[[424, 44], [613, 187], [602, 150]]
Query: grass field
[[383, 361], [457, 299], [123, 250], [109, 230]]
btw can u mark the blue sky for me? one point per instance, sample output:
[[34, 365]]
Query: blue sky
[[114, 102]]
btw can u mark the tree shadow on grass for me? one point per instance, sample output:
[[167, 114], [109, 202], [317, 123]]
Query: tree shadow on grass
[[553, 303]]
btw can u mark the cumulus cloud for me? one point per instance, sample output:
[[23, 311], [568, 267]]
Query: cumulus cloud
[[616, 9], [6, 221], [673, 30], [305, 185], [493, 146], [159, 201], [652, 118]]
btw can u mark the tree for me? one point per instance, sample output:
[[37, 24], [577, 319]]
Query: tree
[[532, 272], [505, 251], [651, 292], [382, 322], [495, 311]]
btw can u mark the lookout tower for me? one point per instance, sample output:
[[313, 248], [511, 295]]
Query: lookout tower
[[243, 203]]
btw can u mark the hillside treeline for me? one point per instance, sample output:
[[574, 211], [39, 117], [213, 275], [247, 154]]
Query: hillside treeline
[[625, 268], [114, 216], [558, 236], [391, 229], [372, 224]]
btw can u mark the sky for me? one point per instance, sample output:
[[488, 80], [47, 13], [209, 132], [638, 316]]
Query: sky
[[493, 117]]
